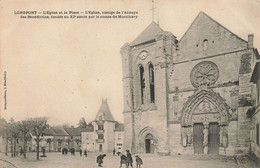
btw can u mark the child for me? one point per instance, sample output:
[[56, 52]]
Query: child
[[100, 160], [139, 161]]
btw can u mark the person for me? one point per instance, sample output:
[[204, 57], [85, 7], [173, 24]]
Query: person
[[85, 153], [100, 160], [80, 152], [114, 152], [139, 161], [129, 159], [21, 151], [123, 160]]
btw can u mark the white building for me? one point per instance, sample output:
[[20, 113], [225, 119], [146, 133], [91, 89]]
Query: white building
[[106, 135]]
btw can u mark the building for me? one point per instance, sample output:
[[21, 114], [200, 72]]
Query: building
[[55, 139], [104, 136], [189, 95], [254, 112]]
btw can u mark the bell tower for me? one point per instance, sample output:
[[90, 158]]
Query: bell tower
[[128, 97]]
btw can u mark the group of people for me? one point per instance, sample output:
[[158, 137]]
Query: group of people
[[85, 153], [124, 159]]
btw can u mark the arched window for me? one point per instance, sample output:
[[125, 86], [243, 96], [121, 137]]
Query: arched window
[[151, 81], [205, 44], [142, 83]]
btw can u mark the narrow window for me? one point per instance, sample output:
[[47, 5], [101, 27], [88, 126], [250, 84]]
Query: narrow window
[[142, 79], [205, 44], [151, 81], [100, 136], [258, 95], [100, 127], [257, 134]]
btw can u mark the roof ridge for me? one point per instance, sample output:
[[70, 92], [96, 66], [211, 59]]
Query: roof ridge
[[203, 13], [148, 34]]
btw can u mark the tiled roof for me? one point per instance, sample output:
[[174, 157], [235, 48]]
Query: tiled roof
[[148, 34], [105, 112], [119, 127], [59, 131]]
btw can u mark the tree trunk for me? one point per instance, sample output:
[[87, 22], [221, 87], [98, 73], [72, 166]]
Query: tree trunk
[[49, 147], [15, 147], [6, 147], [37, 147], [12, 147], [24, 146]]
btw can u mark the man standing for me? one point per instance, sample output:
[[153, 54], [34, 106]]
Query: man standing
[[114, 152], [129, 159], [80, 152]]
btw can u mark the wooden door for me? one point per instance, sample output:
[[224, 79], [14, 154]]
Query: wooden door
[[213, 138], [198, 138]]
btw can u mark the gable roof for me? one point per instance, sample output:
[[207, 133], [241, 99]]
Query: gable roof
[[104, 110], [204, 14], [119, 127], [59, 131], [148, 34]]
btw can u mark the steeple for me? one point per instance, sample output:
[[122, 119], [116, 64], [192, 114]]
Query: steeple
[[148, 34], [104, 112]]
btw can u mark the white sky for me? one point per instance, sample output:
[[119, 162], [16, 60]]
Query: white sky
[[63, 68]]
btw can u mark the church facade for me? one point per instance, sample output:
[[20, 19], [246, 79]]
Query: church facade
[[189, 95]]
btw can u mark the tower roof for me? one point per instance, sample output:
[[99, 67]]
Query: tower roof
[[105, 112], [148, 34]]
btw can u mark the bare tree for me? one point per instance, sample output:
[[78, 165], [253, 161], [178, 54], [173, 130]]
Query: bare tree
[[25, 127], [13, 129], [4, 133], [38, 125]]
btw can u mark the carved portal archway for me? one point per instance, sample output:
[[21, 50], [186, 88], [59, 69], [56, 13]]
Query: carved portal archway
[[147, 141], [205, 106]]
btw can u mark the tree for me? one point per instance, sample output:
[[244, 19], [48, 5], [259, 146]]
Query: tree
[[49, 141], [82, 123], [38, 125], [4, 133], [13, 129], [24, 127]]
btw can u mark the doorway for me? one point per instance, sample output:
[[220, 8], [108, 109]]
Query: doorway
[[198, 138], [149, 146], [100, 147], [213, 138]]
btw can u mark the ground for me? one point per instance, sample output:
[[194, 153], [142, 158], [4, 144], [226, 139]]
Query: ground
[[57, 160]]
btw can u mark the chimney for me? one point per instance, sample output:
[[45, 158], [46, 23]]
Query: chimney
[[250, 43]]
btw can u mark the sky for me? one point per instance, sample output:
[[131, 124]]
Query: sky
[[63, 68]]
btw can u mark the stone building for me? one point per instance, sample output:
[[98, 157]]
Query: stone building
[[254, 112], [189, 95], [104, 136]]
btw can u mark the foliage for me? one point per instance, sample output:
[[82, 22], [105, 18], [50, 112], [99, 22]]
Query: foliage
[[82, 123]]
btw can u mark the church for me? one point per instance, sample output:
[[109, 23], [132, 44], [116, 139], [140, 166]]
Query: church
[[189, 95]]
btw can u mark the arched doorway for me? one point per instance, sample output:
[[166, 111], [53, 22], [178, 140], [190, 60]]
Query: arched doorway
[[149, 143], [204, 122]]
